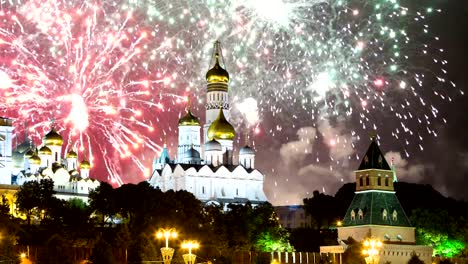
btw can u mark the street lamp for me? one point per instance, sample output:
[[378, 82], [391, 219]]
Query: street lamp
[[167, 252], [190, 258], [166, 233], [371, 249]]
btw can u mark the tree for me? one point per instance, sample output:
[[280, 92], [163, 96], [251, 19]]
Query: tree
[[36, 198], [102, 201], [102, 253], [444, 233], [4, 206], [415, 259], [323, 208], [28, 198], [267, 242], [353, 254]]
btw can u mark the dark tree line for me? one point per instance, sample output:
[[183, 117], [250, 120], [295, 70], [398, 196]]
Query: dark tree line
[[119, 224]]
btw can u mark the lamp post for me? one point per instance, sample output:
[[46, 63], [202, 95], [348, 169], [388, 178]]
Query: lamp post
[[190, 258], [167, 252], [371, 249]]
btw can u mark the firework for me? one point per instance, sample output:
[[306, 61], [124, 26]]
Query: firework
[[114, 74]]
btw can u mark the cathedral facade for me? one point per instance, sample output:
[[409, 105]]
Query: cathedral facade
[[204, 164], [27, 162]]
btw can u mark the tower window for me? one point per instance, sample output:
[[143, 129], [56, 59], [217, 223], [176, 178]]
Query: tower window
[[360, 214], [361, 182], [237, 192], [394, 215], [384, 214], [353, 215], [386, 181], [367, 181], [203, 189], [379, 181]]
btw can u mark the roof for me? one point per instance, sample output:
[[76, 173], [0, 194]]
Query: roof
[[197, 167], [164, 157], [374, 159], [372, 204]]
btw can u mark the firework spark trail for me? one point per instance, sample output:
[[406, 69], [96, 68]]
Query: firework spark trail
[[81, 68], [342, 60]]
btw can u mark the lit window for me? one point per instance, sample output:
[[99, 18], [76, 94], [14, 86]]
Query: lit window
[[394, 215], [360, 214], [353, 215], [384, 214]]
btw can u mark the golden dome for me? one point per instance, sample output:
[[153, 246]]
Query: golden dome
[[84, 164], [189, 120], [72, 155], [29, 153], [53, 138], [217, 74], [35, 159], [45, 151], [221, 128]]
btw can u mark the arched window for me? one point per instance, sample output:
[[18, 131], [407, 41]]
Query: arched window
[[394, 215], [353, 215], [379, 181], [367, 181], [384, 214], [360, 214], [386, 181], [360, 181]]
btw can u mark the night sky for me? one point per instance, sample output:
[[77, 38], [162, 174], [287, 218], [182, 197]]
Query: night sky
[[444, 161], [310, 84]]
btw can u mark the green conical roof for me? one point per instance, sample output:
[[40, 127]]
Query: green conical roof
[[372, 204], [374, 159]]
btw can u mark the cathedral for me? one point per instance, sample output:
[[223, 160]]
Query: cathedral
[[204, 164], [27, 162]]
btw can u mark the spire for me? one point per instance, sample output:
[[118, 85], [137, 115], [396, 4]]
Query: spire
[[217, 74], [246, 135], [374, 158], [395, 179], [26, 130], [52, 122], [189, 103]]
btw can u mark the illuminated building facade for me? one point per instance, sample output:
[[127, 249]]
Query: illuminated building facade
[[26, 162], [208, 170], [376, 213]]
